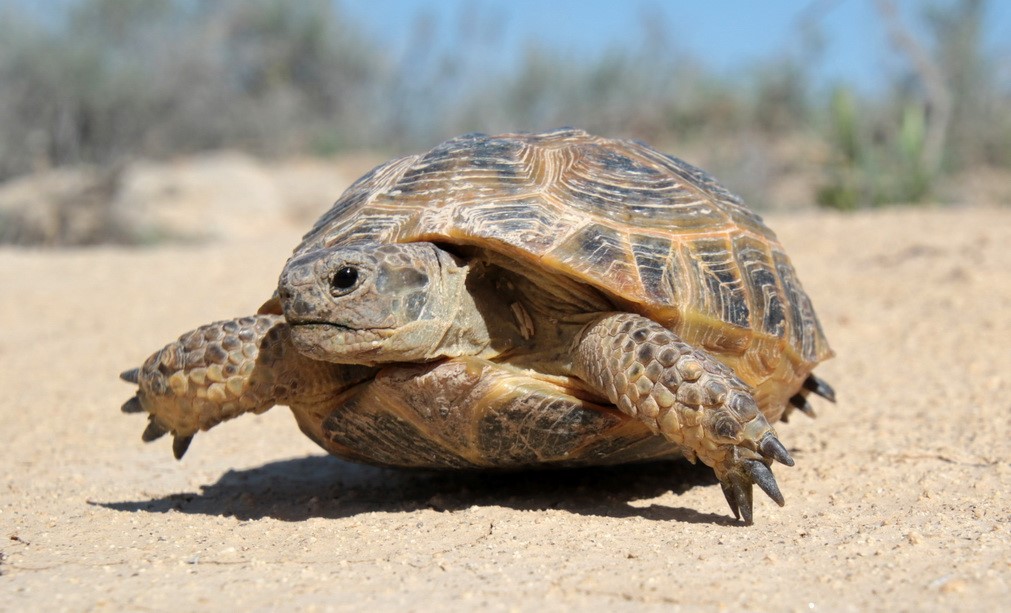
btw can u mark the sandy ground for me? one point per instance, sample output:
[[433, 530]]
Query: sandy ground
[[900, 499]]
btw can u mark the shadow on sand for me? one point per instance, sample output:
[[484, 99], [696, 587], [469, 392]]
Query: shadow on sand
[[322, 486]]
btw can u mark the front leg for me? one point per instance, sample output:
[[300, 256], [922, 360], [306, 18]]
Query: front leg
[[224, 369], [685, 395]]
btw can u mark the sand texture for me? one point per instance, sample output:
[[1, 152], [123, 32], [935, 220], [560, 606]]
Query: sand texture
[[900, 499]]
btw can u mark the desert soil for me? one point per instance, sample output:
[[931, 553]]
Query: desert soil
[[900, 499]]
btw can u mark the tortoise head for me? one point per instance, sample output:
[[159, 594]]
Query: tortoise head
[[371, 303]]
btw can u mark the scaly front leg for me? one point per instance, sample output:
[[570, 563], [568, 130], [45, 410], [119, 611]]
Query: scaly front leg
[[686, 395], [224, 369]]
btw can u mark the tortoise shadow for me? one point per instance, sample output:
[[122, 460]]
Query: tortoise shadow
[[323, 486]]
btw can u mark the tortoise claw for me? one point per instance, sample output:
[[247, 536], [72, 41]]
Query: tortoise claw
[[728, 493], [180, 444], [153, 432], [762, 476], [737, 490], [819, 387], [799, 402], [130, 376], [737, 484], [771, 448], [132, 406]]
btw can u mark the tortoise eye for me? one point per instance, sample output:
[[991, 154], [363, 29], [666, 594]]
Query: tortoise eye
[[344, 279]]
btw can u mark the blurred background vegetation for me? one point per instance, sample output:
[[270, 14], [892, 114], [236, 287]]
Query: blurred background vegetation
[[98, 83]]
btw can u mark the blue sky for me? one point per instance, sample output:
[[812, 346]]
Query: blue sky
[[728, 35]]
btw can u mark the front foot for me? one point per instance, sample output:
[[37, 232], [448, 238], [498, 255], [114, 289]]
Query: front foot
[[227, 368], [687, 396], [747, 461], [211, 374], [746, 470]]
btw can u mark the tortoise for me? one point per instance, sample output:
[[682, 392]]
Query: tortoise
[[516, 301]]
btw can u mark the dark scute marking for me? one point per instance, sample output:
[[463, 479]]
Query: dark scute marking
[[699, 200], [606, 181], [652, 275], [434, 162], [738, 313], [802, 326], [469, 153], [497, 153], [619, 163], [444, 158], [613, 199], [723, 282], [774, 321], [600, 246], [653, 260], [754, 258], [591, 200]]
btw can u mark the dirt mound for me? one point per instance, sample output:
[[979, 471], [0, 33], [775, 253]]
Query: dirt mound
[[223, 195]]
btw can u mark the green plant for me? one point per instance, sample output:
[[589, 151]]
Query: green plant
[[874, 162], [844, 188]]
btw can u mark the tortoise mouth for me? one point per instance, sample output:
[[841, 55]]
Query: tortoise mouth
[[301, 323], [332, 342]]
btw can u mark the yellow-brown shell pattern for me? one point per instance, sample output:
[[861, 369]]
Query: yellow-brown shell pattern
[[656, 234]]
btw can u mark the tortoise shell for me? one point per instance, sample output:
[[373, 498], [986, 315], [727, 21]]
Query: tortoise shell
[[655, 234]]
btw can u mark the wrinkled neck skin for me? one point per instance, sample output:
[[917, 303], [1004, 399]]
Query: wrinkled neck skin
[[372, 304]]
